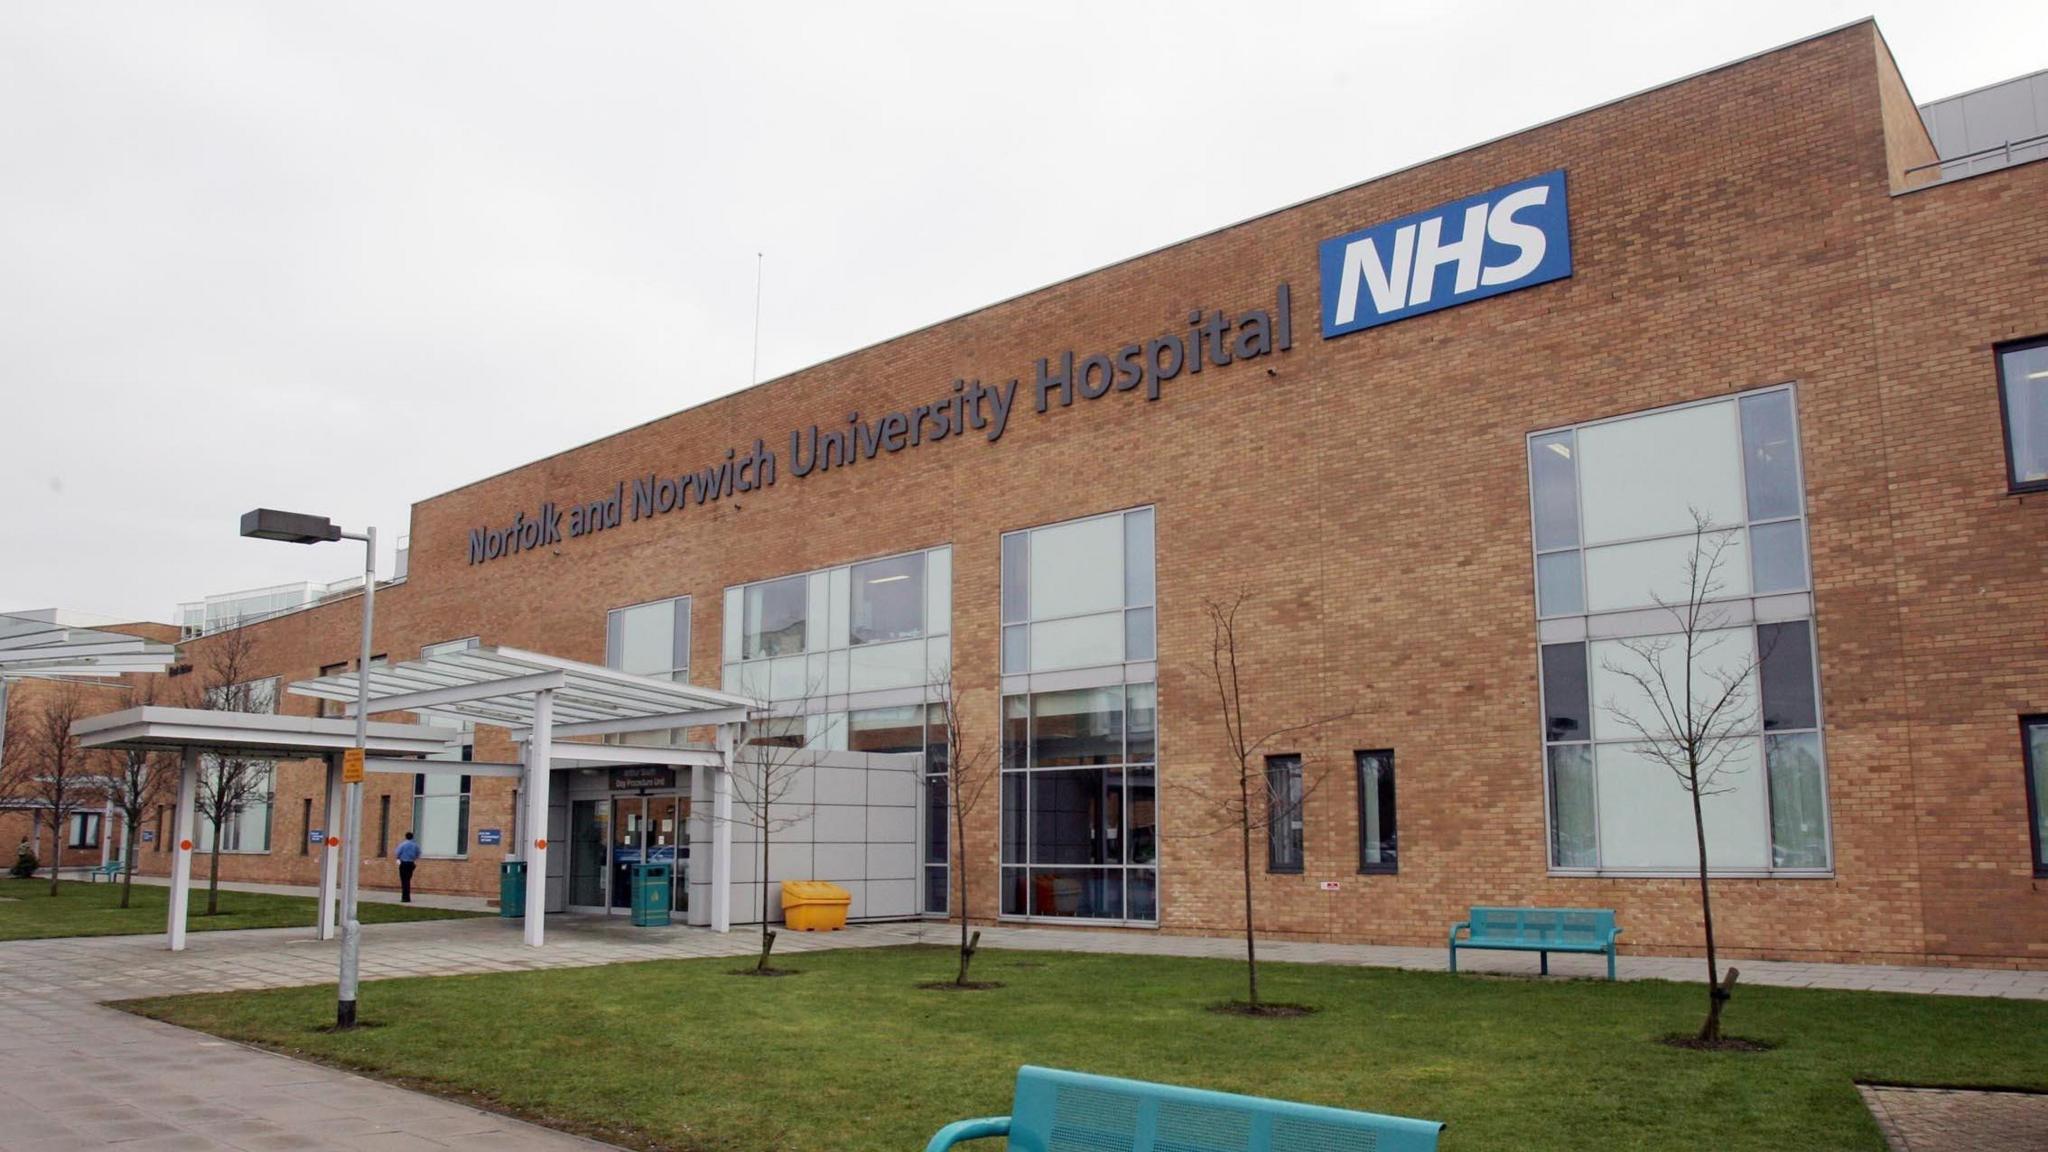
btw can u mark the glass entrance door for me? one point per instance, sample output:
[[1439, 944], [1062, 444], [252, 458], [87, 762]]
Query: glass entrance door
[[589, 841]]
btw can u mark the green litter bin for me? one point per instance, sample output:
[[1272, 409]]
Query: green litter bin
[[512, 889], [650, 894]]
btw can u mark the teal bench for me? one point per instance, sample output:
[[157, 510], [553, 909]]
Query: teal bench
[[111, 870], [1057, 1111], [1543, 930]]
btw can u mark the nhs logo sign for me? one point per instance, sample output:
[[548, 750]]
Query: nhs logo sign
[[1516, 236]]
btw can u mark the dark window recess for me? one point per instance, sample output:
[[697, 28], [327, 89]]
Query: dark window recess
[[306, 828], [1378, 840], [384, 825], [1786, 669], [2023, 401], [1283, 814], [2034, 736], [1566, 714]]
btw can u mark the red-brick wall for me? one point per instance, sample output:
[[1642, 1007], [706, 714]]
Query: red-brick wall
[[1370, 496]]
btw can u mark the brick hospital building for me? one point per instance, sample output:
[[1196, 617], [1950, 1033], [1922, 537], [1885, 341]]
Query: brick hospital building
[[1449, 434]]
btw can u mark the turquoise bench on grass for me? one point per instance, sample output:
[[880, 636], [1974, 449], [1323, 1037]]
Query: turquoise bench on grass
[[1057, 1111], [1543, 930], [111, 870]]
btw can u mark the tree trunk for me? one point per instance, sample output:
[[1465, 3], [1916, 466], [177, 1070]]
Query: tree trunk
[[1251, 943], [1716, 995], [56, 847], [213, 876], [127, 858], [960, 841], [767, 937]]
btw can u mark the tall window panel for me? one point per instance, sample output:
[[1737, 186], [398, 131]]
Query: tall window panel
[[2034, 737], [1080, 799], [1617, 509], [254, 783], [1079, 790], [1285, 850], [440, 814], [2023, 399], [1378, 835], [918, 729], [651, 639]]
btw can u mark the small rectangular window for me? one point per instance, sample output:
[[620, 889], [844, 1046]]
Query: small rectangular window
[[85, 830], [1378, 843], [888, 599], [2034, 734], [384, 825], [1283, 814], [306, 827], [440, 814], [775, 616], [1566, 714], [1554, 491], [2023, 398], [1785, 665]]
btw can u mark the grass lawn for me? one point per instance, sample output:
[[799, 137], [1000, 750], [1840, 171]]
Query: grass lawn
[[851, 1055], [29, 912]]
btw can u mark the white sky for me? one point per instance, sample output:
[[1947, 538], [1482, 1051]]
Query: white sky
[[244, 245]]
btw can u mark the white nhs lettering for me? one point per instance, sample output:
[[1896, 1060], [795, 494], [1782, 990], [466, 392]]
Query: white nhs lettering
[[1513, 237]]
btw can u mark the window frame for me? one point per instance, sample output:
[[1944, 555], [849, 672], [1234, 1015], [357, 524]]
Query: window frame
[[1023, 624], [1296, 823], [1384, 867], [84, 831], [2034, 798], [2014, 486], [465, 797]]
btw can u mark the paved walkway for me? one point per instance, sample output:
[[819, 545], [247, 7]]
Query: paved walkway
[[1945, 1120], [86, 1076]]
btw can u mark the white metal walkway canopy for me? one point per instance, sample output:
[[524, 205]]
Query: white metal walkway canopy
[[31, 646], [194, 732], [543, 699]]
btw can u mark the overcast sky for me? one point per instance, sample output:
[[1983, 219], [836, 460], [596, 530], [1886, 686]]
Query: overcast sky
[[244, 247]]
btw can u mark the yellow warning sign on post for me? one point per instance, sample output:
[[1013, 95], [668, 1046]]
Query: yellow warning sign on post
[[352, 766]]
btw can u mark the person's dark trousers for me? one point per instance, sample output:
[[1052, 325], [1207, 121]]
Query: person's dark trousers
[[405, 868]]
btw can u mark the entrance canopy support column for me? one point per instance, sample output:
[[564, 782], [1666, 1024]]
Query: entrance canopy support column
[[539, 761], [721, 831], [330, 860], [181, 843]]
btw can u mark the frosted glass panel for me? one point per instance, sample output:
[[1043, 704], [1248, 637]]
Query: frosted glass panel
[[1558, 588], [735, 610], [1641, 476], [1077, 568], [1080, 643], [1779, 556], [647, 639], [1635, 575], [938, 592], [787, 678], [1720, 654], [897, 665], [1646, 816]]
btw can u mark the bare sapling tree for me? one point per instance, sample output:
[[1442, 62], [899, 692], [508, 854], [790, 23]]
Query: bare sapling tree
[[1692, 708], [47, 768], [970, 767], [768, 765], [136, 782], [228, 784], [1251, 799]]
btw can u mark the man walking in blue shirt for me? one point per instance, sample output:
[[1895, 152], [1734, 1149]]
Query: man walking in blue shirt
[[408, 859]]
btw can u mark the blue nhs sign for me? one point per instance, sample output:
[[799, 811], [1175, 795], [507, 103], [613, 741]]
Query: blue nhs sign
[[1516, 236]]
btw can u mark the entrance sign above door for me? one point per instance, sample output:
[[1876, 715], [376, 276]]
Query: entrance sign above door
[[631, 777]]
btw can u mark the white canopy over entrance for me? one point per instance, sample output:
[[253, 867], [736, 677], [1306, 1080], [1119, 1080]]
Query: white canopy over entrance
[[193, 732], [543, 699]]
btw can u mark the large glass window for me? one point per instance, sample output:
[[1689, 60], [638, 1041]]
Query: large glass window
[[2034, 735], [876, 626], [1079, 594], [1284, 847], [247, 828], [888, 599], [440, 813], [85, 830], [1615, 506], [775, 613], [1080, 799], [1378, 838], [650, 639], [2023, 396]]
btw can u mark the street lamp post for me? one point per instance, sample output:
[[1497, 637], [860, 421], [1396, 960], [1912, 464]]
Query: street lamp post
[[298, 528]]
